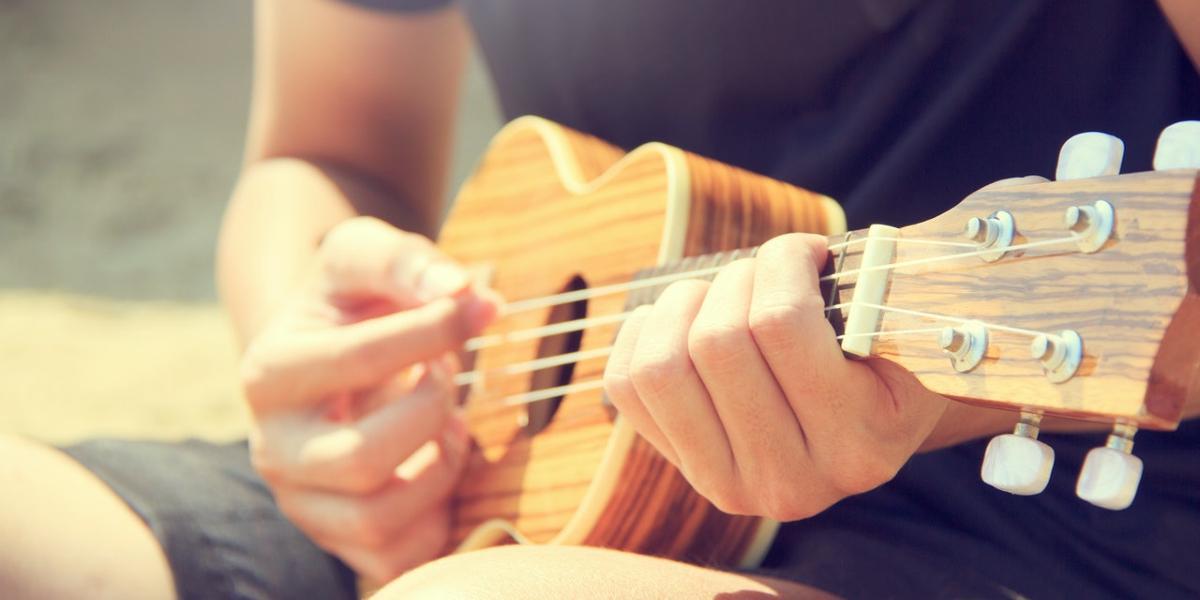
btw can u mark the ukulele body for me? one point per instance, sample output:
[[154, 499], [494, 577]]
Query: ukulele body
[[550, 210]]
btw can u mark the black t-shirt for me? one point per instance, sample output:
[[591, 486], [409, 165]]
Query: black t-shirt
[[897, 109]]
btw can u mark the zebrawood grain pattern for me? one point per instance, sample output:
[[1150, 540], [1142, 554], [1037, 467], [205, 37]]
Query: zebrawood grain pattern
[[545, 205], [1120, 300]]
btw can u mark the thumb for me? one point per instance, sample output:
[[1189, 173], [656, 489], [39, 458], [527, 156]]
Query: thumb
[[365, 257]]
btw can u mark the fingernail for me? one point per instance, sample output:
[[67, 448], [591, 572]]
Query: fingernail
[[441, 279]]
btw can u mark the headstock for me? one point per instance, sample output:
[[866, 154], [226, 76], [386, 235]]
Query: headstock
[[1073, 298]]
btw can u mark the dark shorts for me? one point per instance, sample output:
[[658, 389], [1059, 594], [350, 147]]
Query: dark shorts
[[216, 520], [934, 532]]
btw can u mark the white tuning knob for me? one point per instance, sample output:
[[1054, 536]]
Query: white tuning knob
[[1178, 147], [1091, 154], [1110, 475], [1017, 462]]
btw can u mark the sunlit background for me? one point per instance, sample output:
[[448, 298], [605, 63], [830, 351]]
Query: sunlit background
[[121, 124]]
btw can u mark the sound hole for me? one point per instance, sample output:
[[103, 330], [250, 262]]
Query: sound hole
[[540, 413]]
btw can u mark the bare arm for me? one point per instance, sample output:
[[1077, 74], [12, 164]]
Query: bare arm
[[350, 323], [352, 114], [1184, 17]]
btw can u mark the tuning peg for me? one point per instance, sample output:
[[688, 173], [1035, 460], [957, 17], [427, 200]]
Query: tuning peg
[[1110, 474], [966, 344], [996, 232], [1059, 354], [1017, 462], [1178, 147], [1091, 154]]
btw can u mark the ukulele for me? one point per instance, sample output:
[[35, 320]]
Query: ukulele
[[1074, 298]]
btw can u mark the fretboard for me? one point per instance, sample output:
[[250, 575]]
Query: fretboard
[[842, 257]]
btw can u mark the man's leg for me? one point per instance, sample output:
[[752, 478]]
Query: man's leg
[[67, 535], [535, 572]]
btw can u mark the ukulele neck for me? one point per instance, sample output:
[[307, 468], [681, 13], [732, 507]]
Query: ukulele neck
[[844, 254]]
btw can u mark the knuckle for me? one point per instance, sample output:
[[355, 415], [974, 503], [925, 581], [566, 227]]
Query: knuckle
[[656, 373], [684, 288], [719, 346], [783, 503], [771, 325], [723, 492], [775, 325], [618, 387], [728, 500], [863, 473]]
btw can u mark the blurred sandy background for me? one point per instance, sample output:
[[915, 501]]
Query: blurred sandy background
[[120, 135]]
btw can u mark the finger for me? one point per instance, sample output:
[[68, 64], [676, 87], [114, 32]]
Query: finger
[[366, 257], [763, 431], [375, 520], [303, 368], [857, 431], [669, 387], [620, 390], [787, 316], [362, 455], [788, 322]]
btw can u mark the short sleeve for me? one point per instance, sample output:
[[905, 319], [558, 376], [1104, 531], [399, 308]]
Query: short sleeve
[[400, 5]]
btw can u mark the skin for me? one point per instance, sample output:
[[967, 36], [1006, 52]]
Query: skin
[[349, 317]]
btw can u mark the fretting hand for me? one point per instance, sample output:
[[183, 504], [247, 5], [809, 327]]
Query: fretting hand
[[351, 391], [742, 385]]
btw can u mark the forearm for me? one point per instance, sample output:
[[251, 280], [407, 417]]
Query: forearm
[[277, 216]]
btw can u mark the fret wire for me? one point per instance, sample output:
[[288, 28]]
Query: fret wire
[[837, 268]]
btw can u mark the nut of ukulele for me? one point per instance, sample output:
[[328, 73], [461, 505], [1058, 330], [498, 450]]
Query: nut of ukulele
[[1178, 147], [1017, 462], [1110, 475]]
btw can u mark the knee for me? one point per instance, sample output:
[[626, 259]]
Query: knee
[[500, 572]]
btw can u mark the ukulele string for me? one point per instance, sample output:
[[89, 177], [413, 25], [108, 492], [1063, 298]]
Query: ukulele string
[[489, 341], [648, 282], [593, 384], [474, 377], [533, 333], [935, 259], [938, 317]]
